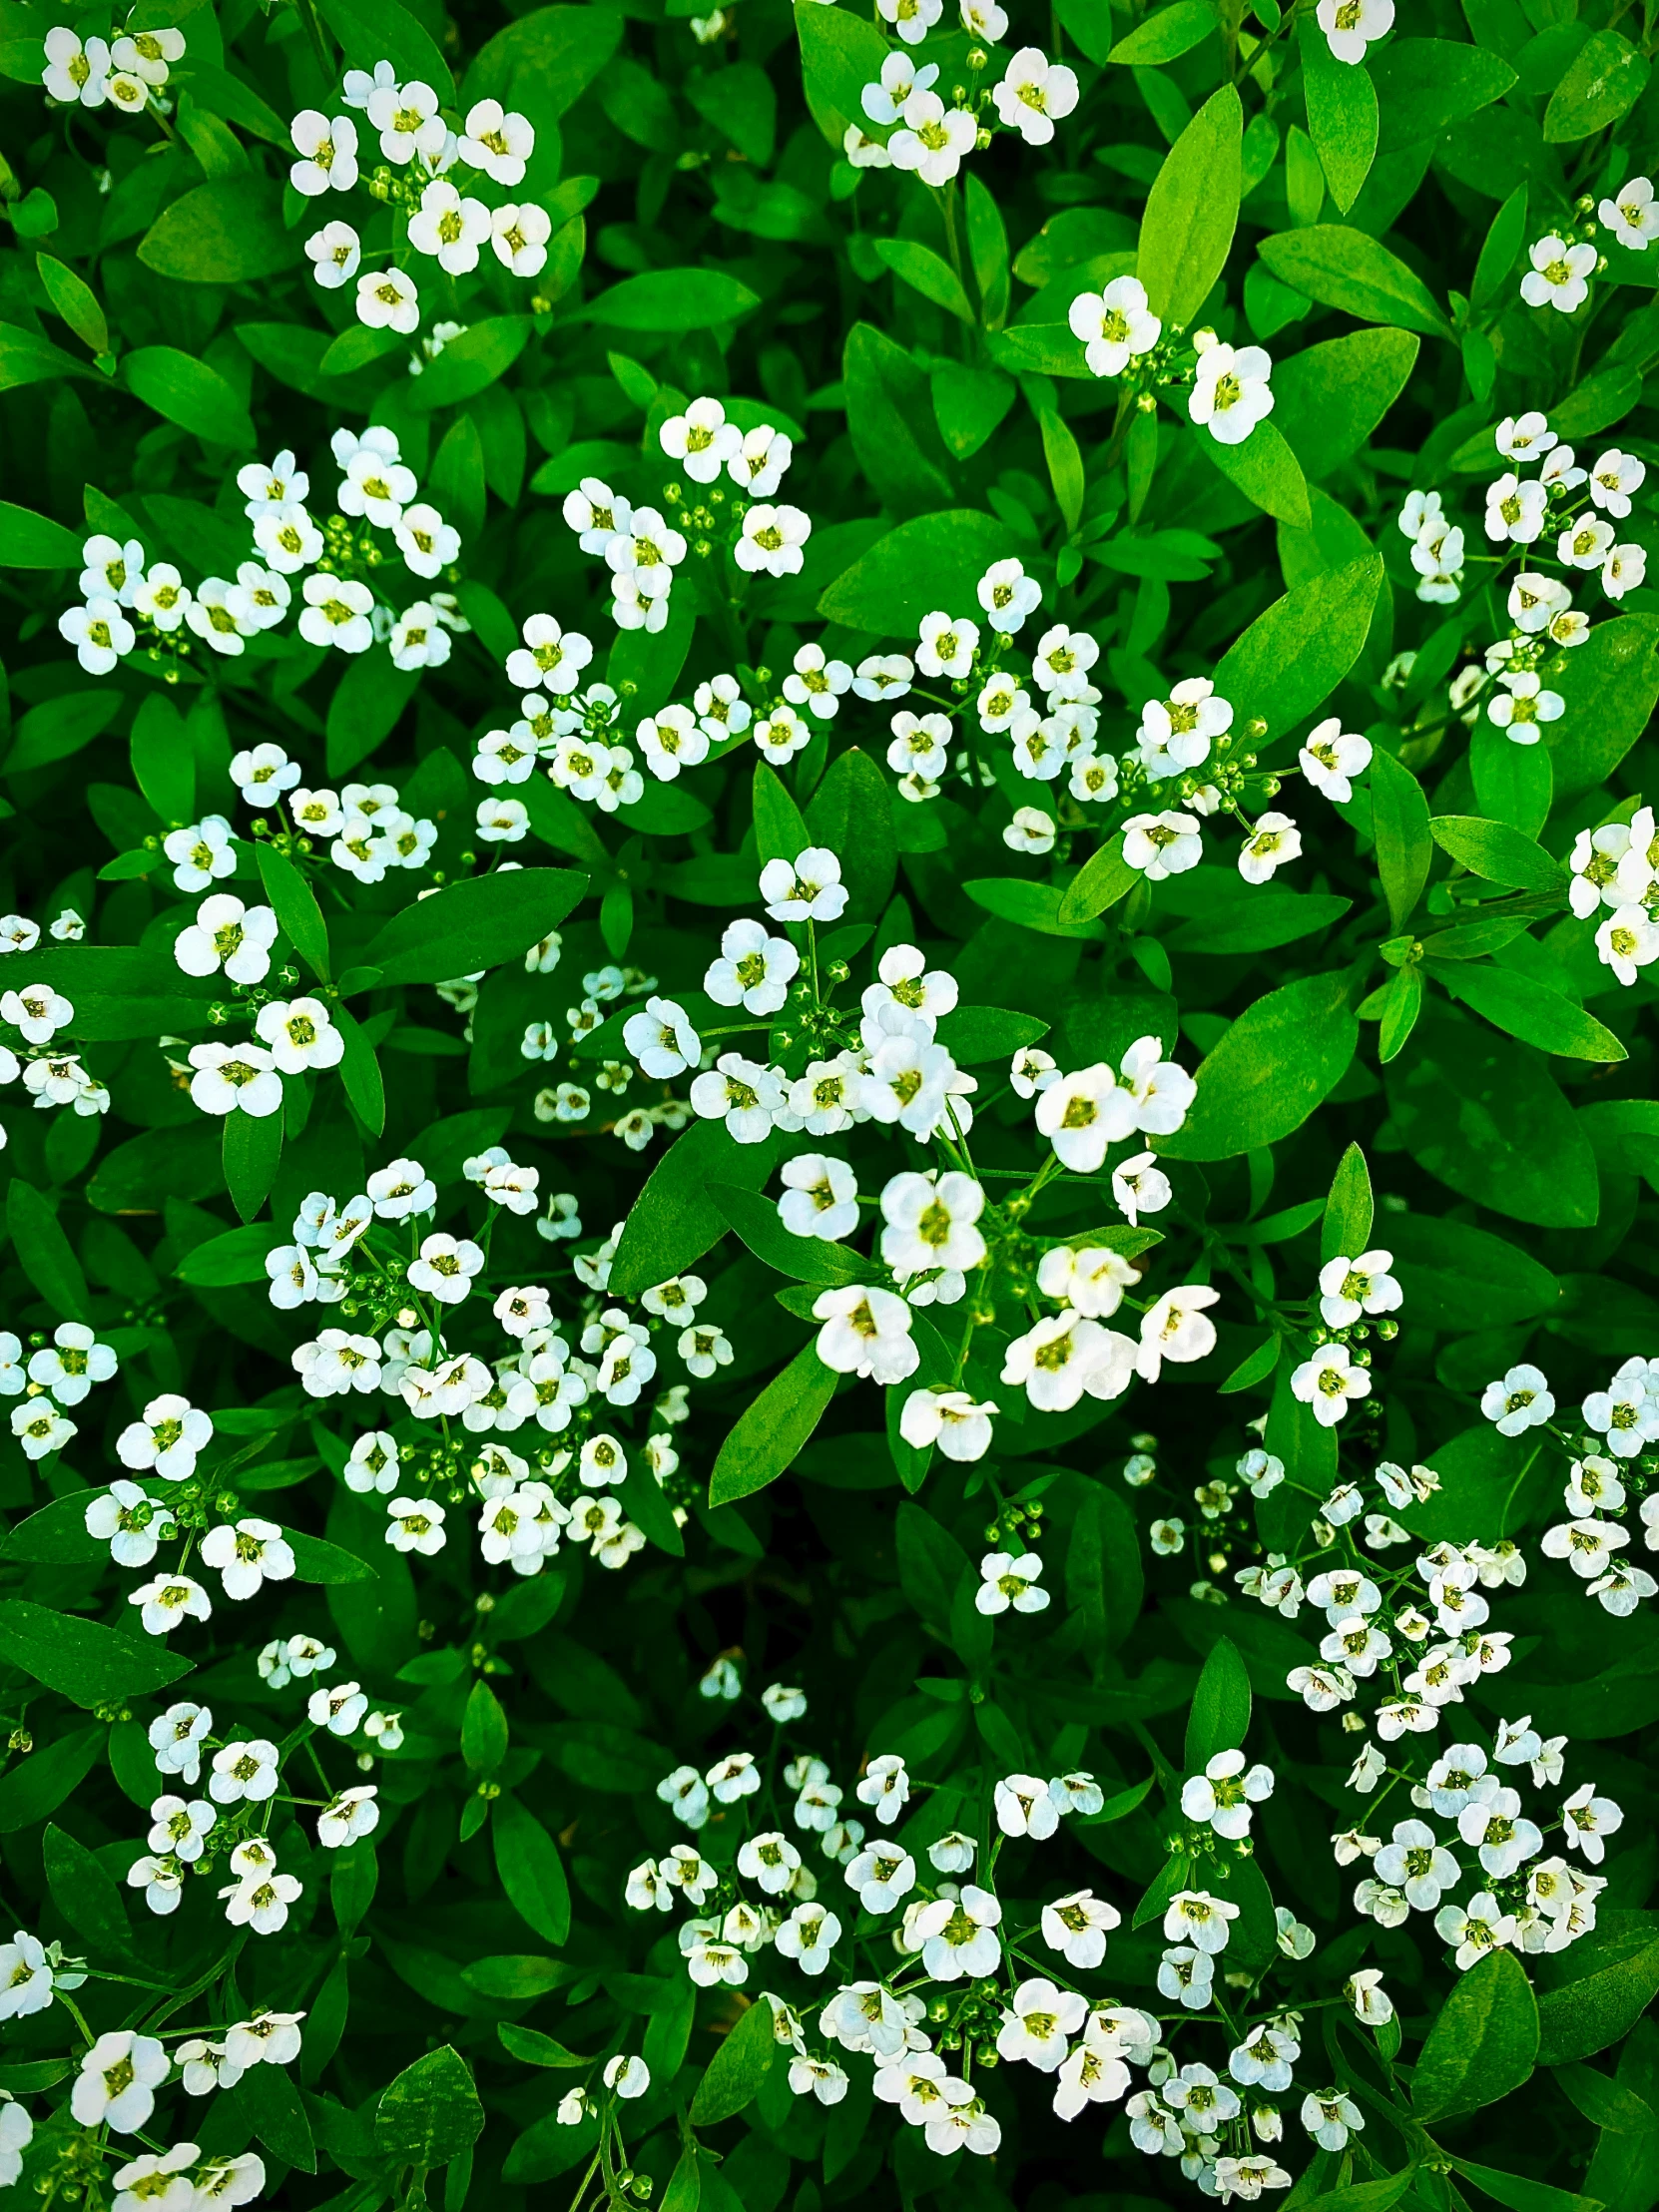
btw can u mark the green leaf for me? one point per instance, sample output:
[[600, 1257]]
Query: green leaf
[[1293, 657], [1604, 82], [28, 540], [368, 30], [737, 2069], [229, 230], [1483, 1115], [1483, 2043], [470, 363], [186, 391], [1219, 1717], [1341, 114], [82, 1660], [781, 834], [926, 271], [532, 1873], [294, 902], [672, 301], [1192, 210], [361, 1072], [852, 813], [1100, 883], [1165, 34], [1258, 918], [75, 302], [932, 563], [1609, 687], [483, 1730], [476, 924], [840, 54], [1036, 907], [1458, 1277], [974, 1034], [252, 1154], [367, 705], [1426, 85], [1275, 1064], [1255, 1367], [45, 1253], [1399, 1004], [771, 1430], [431, 2113], [1363, 2196], [805, 1259], [1615, 1977], [1328, 398], [1532, 1011], [546, 60], [316, 1560], [1499, 854], [1345, 1230], [674, 1221], [164, 763], [1400, 827], [34, 1788], [1266, 471], [1514, 784], [1346, 268], [272, 2106], [1520, 2193], [1503, 242], [532, 2048]]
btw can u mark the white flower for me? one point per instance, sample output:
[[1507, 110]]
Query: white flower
[[76, 72], [415, 1524], [1520, 1400], [817, 684], [497, 140], [1474, 1931], [808, 889], [1331, 758], [1275, 839], [1035, 2026], [1349, 26], [883, 1874], [336, 254], [1631, 215], [1587, 1818], [1516, 511], [1160, 846], [1560, 274], [1008, 1580], [1196, 1917], [519, 236], [247, 1554], [327, 157], [932, 140], [1064, 1354], [100, 633], [1008, 595], [449, 227], [1115, 325], [407, 118], [1176, 1328], [957, 1934], [1025, 1806], [387, 298], [1628, 940], [1076, 1926], [1230, 393], [1032, 830], [1225, 1793], [1349, 1288], [1082, 1113], [772, 539], [762, 461], [1624, 570], [1331, 2118], [1034, 94], [962, 1427], [1328, 1381], [245, 1770], [116, 2086], [662, 1040], [26, 1978], [700, 440], [261, 1902], [427, 543]]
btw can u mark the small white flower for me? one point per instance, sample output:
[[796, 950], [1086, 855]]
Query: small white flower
[[1560, 274]]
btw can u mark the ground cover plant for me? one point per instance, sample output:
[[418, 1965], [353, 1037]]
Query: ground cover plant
[[829, 1352]]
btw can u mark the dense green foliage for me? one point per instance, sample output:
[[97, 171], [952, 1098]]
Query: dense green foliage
[[1155, 618]]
